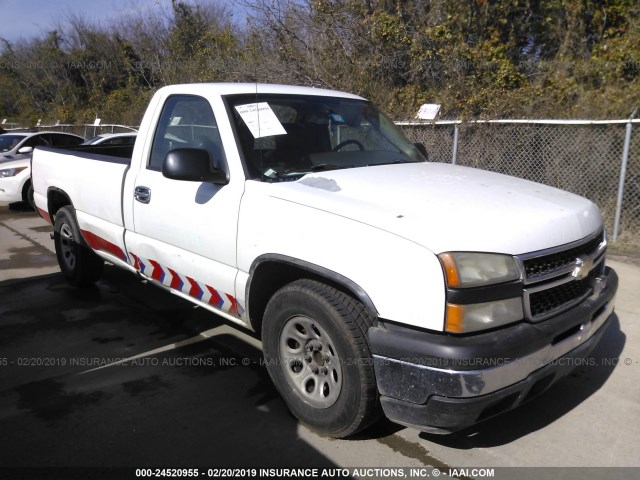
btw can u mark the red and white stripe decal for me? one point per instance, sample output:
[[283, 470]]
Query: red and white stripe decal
[[185, 284], [98, 243], [45, 215], [168, 277]]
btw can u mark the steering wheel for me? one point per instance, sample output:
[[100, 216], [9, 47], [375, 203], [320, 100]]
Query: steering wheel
[[351, 141]]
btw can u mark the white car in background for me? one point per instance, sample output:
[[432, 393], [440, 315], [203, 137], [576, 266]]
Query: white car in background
[[128, 138], [15, 161]]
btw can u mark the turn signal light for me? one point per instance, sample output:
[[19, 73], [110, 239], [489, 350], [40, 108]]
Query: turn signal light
[[455, 318]]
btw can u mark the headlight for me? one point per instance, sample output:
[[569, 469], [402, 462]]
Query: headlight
[[463, 269], [11, 172], [481, 316]]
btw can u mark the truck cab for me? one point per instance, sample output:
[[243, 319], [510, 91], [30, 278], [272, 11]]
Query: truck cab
[[378, 282]]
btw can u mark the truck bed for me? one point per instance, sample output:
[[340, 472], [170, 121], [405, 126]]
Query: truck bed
[[72, 170], [122, 153]]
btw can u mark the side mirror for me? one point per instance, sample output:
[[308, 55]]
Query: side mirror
[[192, 165], [25, 150], [422, 149]]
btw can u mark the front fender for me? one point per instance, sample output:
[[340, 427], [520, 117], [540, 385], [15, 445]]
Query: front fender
[[402, 279]]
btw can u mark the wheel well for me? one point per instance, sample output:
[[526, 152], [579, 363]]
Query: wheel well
[[56, 200], [270, 276]]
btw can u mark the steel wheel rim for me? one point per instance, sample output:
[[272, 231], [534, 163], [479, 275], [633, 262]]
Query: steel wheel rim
[[309, 360], [67, 246]]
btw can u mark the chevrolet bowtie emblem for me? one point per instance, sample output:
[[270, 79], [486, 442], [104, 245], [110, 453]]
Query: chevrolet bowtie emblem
[[583, 266]]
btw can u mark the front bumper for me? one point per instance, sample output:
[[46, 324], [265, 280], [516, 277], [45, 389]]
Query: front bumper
[[11, 188], [442, 383]]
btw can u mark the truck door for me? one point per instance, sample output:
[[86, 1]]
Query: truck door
[[184, 233]]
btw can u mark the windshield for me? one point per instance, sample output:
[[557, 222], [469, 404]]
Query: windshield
[[284, 137], [8, 142]]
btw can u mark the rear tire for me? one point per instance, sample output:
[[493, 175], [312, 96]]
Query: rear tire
[[27, 195], [79, 264], [317, 354], [30, 198]]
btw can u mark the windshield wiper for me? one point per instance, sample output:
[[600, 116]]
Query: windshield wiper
[[289, 175], [395, 162], [323, 167]]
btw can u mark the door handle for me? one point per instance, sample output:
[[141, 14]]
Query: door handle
[[142, 194]]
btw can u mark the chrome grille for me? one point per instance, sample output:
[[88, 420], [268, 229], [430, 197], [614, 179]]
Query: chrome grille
[[539, 266], [547, 301], [553, 280]]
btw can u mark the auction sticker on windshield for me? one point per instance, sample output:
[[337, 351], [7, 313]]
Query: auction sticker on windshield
[[260, 119]]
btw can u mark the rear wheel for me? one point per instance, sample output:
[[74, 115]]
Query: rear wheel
[[316, 351], [79, 264]]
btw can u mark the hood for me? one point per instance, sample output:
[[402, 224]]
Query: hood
[[13, 163], [10, 157], [446, 207]]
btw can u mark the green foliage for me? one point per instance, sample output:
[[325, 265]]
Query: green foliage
[[478, 58]]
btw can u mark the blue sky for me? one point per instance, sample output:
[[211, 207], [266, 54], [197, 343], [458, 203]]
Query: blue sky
[[25, 19]]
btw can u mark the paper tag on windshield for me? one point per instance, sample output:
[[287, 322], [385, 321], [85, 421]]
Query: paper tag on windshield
[[260, 119]]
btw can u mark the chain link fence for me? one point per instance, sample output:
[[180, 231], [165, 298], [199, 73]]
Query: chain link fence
[[578, 156], [581, 157]]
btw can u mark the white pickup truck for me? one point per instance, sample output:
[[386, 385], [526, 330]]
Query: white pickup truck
[[377, 281]]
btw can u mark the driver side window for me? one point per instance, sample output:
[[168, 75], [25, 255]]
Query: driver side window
[[186, 122]]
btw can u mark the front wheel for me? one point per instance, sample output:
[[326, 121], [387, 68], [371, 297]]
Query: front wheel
[[316, 352], [79, 264]]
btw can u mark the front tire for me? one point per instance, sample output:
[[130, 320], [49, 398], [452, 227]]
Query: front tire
[[79, 264], [317, 354]]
